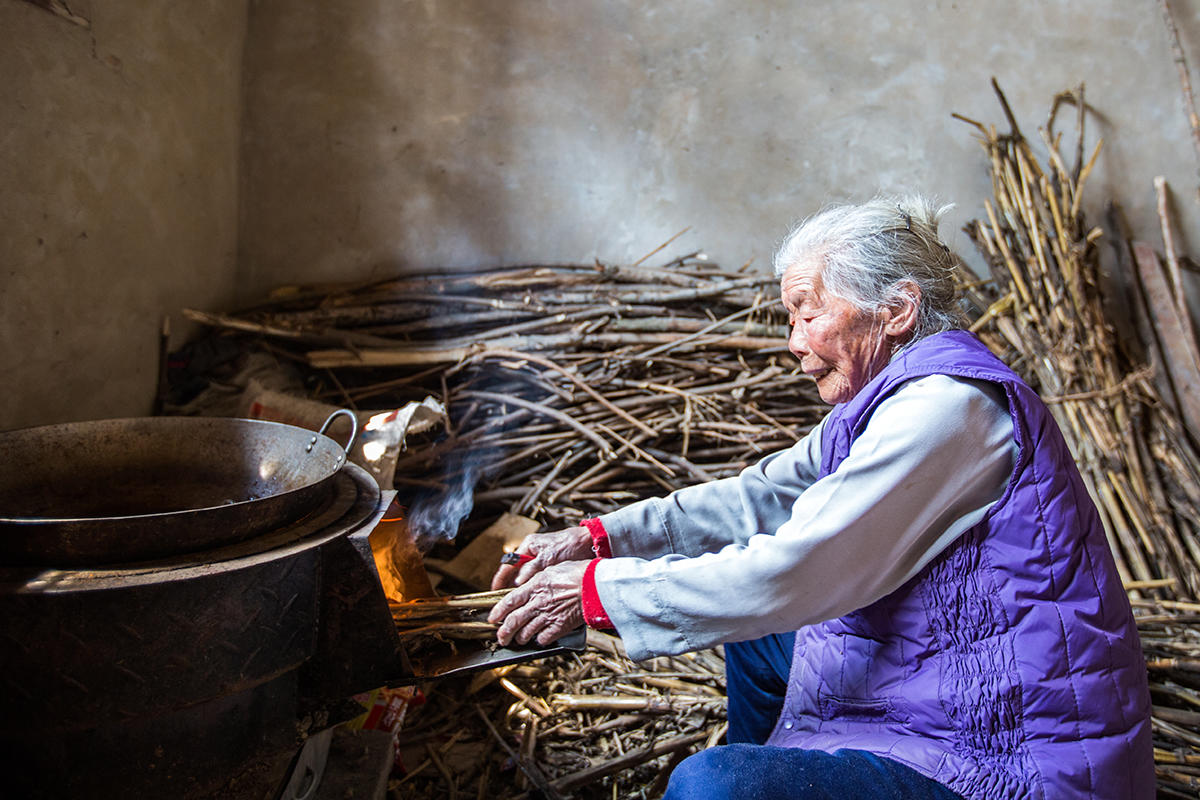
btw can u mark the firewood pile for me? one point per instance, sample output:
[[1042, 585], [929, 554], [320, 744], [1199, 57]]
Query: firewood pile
[[570, 390], [1128, 410], [592, 725]]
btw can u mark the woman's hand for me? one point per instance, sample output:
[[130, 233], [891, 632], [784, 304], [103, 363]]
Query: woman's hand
[[547, 549], [544, 607]]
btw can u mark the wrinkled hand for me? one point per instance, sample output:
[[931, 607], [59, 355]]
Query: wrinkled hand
[[571, 544], [544, 607]]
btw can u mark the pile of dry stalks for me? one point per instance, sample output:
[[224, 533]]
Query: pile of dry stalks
[[1050, 314], [591, 725], [570, 389], [573, 390]]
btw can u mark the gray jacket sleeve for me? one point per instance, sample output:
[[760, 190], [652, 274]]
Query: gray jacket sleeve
[[774, 548], [704, 518]]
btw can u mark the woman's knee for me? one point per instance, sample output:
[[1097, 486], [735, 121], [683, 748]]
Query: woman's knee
[[741, 771], [734, 771], [704, 775]]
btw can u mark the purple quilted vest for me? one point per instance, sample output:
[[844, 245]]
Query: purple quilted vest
[[1010, 666]]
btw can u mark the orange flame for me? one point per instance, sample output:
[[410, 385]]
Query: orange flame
[[397, 559]]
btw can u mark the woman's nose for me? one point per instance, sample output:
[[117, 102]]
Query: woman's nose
[[798, 342]]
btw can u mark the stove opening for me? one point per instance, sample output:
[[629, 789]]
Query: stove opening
[[399, 562]]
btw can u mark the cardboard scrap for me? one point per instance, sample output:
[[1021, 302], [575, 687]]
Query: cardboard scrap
[[477, 562]]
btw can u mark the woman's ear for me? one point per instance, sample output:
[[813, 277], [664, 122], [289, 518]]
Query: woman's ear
[[900, 319]]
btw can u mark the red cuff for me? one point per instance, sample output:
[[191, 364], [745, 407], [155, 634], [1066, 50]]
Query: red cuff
[[593, 610], [600, 545]]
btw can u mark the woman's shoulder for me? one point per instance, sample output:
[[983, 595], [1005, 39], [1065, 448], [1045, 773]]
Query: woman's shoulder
[[938, 399]]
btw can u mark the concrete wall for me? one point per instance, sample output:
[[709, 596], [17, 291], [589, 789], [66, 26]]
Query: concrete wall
[[118, 195], [383, 135]]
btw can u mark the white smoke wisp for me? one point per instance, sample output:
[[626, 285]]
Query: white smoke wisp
[[434, 515]]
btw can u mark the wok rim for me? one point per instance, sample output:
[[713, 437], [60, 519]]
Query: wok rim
[[351, 513], [293, 430]]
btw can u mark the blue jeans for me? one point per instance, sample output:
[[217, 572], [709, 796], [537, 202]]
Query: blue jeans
[[756, 675], [759, 772]]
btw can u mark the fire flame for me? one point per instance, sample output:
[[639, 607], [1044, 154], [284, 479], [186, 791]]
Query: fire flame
[[397, 559]]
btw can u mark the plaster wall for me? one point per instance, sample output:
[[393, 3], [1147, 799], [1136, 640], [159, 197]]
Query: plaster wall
[[118, 162], [197, 154], [384, 135]]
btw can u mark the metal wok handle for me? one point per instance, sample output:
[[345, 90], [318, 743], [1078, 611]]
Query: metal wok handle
[[353, 430]]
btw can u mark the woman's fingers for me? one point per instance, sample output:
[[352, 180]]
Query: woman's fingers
[[505, 576], [546, 606], [525, 627], [546, 550], [507, 604], [513, 613], [552, 631], [530, 568], [521, 625], [527, 631]]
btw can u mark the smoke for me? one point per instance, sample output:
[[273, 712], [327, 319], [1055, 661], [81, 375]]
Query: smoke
[[434, 515]]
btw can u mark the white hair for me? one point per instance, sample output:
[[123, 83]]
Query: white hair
[[870, 253]]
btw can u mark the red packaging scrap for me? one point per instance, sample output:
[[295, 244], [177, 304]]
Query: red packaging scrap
[[386, 709]]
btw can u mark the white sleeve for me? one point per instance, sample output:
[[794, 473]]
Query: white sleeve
[[706, 517], [934, 457]]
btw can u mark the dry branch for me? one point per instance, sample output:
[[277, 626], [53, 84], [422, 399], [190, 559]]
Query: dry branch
[[651, 378], [1048, 316]]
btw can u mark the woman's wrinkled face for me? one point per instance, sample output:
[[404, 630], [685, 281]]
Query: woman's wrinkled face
[[841, 347]]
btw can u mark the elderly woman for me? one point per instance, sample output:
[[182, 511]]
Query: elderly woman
[[916, 600]]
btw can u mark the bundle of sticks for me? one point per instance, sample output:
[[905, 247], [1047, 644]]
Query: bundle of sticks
[[448, 617], [574, 389], [1045, 311], [570, 389], [592, 725], [1053, 323]]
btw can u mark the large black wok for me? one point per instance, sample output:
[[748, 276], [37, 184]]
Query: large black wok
[[115, 491]]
